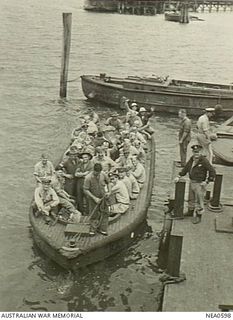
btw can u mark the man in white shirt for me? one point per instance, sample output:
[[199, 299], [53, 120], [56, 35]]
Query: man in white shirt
[[119, 190], [203, 135], [43, 168], [138, 171], [46, 199], [107, 163]]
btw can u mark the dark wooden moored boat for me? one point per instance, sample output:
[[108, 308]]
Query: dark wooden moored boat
[[100, 5], [172, 16], [223, 146], [52, 241], [164, 94]]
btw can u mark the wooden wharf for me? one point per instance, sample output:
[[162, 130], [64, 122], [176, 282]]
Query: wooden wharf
[[206, 255], [202, 5], [151, 7]]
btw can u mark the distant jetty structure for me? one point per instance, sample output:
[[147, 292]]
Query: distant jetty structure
[[151, 7]]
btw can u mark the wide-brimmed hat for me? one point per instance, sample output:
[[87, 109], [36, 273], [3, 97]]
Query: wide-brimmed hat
[[86, 153]]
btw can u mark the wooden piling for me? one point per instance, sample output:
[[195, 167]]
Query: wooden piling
[[215, 202], [174, 254], [67, 22], [179, 200], [184, 16]]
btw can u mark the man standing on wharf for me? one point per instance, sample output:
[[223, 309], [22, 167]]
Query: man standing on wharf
[[95, 187], [203, 135], [201, 173], [184, 135]]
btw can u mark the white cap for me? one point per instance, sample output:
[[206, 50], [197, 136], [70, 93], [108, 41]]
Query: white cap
[[209, 109], [142, 109], [134, 104]]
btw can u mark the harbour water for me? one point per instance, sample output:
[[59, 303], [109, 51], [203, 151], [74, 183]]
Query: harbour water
[[33, 120]]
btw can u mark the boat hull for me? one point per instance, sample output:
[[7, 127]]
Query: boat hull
[[101, 5], [223, 146], [163, 99], [172, 17], [122, 233]]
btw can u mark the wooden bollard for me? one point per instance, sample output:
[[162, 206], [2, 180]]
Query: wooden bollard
[[174, 254], [215, 204], [179, 200], [67, 22]]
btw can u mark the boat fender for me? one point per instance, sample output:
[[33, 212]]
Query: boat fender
[[70, 249], [91, 95]]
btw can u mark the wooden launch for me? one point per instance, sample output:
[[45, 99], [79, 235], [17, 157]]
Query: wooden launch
[[164, 94], [121, 231], [223, 146], [172, 16], [101, 5]]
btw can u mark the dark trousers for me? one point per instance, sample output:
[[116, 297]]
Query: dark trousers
[[80, 195], [70, 187], [98, 215], [183, 151]]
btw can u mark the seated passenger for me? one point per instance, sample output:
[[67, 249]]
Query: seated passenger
[[92, 128], [125, 158], [131, 117], [119, 190], [138, 135], [107, 163], [127, 146], [145, 118], [99, 139], [46, 199], [114, 121], [135, 185], [43, 168], [141, 152], [123, 177], [65, 200], [138, 171]]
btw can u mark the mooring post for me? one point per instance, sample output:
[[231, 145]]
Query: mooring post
[[215, 201], [184, 15], [174, 254], [179, 200], [67, 22]]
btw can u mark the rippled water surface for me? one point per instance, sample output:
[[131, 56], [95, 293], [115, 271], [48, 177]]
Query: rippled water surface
[[33, 119]]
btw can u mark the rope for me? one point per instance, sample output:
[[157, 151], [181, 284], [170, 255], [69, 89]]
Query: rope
[[168, 279], [76, 79], [86, 219]]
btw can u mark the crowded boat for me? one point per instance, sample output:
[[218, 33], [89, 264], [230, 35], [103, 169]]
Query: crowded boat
[[100, 173]]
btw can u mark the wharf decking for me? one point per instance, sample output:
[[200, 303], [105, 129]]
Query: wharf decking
[[206, 258]]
